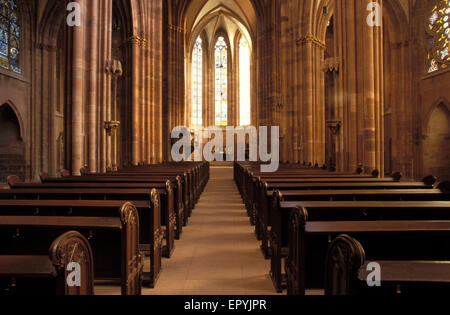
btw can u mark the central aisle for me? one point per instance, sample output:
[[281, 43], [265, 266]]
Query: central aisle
[[218, 252]]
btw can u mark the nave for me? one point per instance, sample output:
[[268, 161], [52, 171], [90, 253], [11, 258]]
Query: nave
[[218, 253]]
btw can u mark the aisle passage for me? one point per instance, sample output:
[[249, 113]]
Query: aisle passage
[[218, 252]]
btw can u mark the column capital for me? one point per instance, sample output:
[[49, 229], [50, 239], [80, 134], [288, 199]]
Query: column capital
[[137, 40], [114, 68], [176, 28], [310, 38], [331, 64]]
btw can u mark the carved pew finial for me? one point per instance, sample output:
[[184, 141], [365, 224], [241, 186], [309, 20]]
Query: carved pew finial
[[72, 247], [13, 180], [360, 170], [84, 171], [44, 176], [294, 265], [397, 176], [444, 187], [430, 180], [344, 258], [65, 173]]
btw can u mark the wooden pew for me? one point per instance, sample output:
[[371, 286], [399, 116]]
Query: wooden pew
[[264, 202], [150, 233], [114, 241], [198, 174], [180, 184], [168, 218], [46, 274], [314, 226], [346, 271], [255, 186]]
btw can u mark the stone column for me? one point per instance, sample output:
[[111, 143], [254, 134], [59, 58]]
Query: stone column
[[104, 86], [116, 73], [94, 27], [361, 102], [77, 91], [135, 94]]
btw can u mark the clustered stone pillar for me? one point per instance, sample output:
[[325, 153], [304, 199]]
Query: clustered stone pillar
[[78, 72], [137, 44], [175, 74], [91, 87], [302, 100], [146, 83], [361, 77], [156, 81], [267, 112], [116, 71], [92, 105], [104, 77], [312, 91]]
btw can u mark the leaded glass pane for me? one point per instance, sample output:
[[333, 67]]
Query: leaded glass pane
[[197, 83], [221, 82], [439, 36], [9, 36], [244, 83]]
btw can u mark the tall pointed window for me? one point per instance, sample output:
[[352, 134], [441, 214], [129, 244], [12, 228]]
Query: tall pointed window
[[197, 84], [9, 36], [438, 56], [221, 82], [244, 83]]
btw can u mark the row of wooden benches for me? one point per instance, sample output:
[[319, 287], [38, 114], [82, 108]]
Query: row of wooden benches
[[124, 216], [299, 211]]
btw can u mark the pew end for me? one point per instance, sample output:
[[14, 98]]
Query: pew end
[[47, 272], [397, 176], [444, 187], [44, 176], [430, 180], [360, 170], [65, 173], [72, 247], [13, 180], [343, 261], [295, 260], [132, 258], [375, 173]]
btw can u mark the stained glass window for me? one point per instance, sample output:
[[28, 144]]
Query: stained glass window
[[244, 82], [221, 82], [9, 36], [438, 55], [197, 83]]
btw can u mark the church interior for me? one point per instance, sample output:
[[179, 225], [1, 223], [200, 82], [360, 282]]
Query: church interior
[[93, 200]]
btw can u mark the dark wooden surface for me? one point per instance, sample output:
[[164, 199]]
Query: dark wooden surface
[[411, 271]]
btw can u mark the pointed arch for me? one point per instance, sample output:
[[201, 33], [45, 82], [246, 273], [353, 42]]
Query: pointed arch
[[244, 56], [10, 36], [197, 80], [441, 103], [9, 104], [221, 84]]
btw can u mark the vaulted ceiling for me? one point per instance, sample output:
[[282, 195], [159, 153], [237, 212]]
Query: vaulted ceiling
[[230, 16]]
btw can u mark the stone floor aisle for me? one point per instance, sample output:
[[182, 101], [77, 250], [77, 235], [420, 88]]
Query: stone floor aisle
[[218, 252]]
